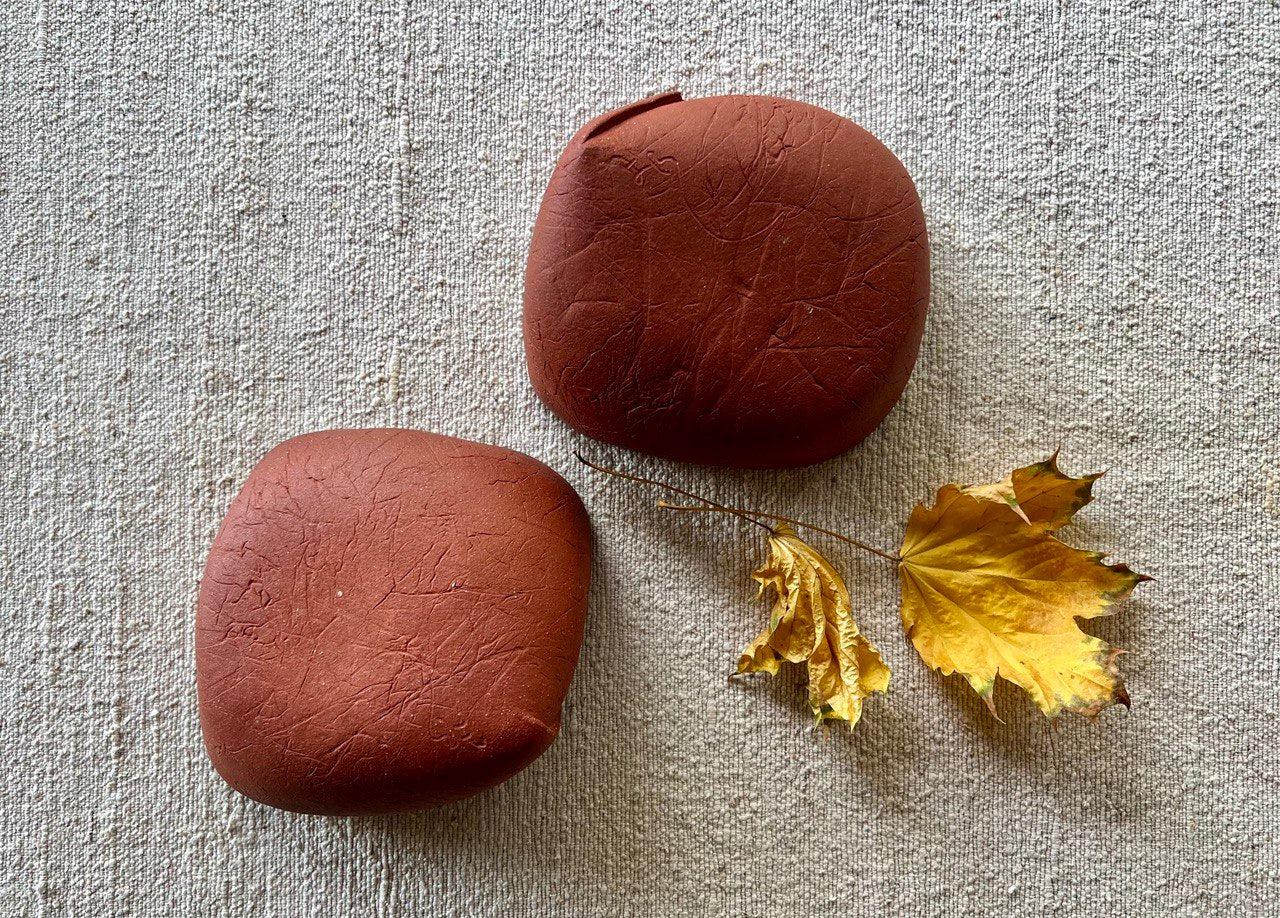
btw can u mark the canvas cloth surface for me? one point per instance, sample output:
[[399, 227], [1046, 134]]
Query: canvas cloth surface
[[225, 223]]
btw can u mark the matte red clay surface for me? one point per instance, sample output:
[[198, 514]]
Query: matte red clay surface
[[389, 620], [738, 281]]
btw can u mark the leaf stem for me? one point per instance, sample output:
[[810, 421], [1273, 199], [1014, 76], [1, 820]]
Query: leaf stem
[[713, 505], [782, 519], [716, 507]]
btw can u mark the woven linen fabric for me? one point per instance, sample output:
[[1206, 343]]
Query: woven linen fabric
[[226, 223]]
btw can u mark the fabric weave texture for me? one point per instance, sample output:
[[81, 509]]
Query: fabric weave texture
[[225, 223]]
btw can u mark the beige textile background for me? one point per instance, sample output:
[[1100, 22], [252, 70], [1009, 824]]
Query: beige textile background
[[223, 223]]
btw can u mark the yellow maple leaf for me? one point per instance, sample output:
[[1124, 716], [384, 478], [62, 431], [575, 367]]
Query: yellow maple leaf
[[988, 591], [812, 623]]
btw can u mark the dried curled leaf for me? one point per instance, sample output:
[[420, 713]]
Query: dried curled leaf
[[988, 591], [812, 622]]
